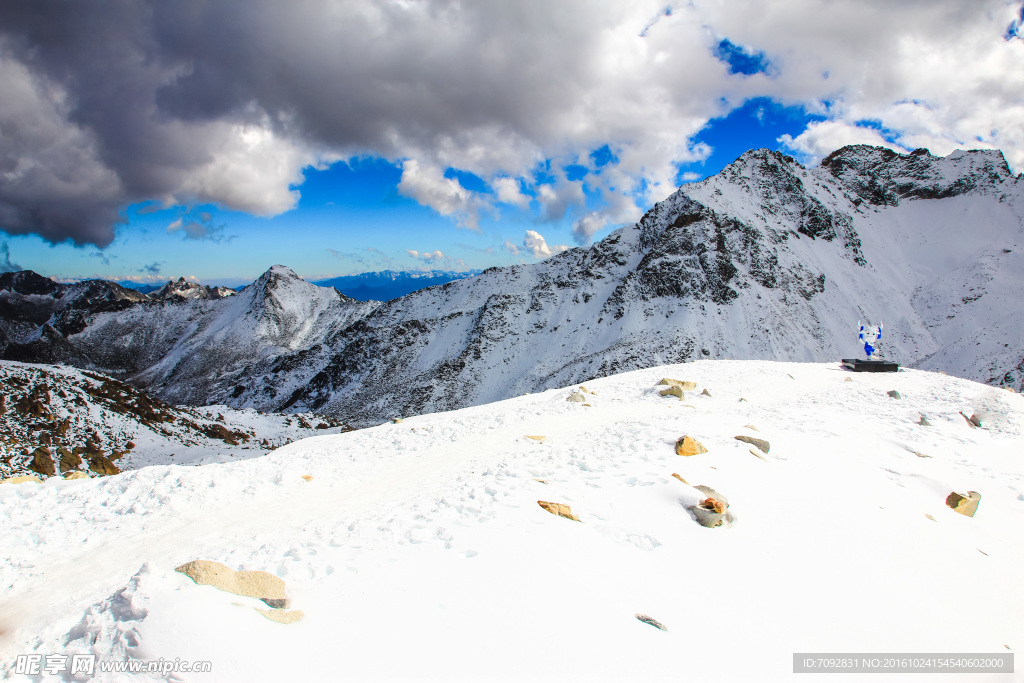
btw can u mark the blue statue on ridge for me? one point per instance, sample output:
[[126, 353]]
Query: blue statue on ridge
[[872, 338]]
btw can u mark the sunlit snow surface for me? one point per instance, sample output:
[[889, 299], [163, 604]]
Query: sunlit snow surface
[[417, 551]]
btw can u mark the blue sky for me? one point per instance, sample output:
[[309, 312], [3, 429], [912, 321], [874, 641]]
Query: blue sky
[[352, 219], [448, 136]]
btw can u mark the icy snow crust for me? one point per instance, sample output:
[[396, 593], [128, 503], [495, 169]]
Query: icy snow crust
[[417, 550]]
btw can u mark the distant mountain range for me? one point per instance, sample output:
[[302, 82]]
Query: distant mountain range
[[389, 284], [383, 285], [766, 260]]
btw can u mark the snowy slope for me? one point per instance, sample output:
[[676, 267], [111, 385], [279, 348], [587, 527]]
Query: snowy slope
[[417, 550], [55, 420]]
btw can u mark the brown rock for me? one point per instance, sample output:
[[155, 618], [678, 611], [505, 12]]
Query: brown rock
[[251, 584], [102, 465], [759, 443], [559, 509], [77, 474], [687, 445], [42, 462], [536, 437], [68, 460], [680, 478], [673, 391], [711, 493], [965, 505], [682, 384]]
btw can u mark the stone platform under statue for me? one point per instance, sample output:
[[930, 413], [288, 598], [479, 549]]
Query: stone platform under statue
[[874, 365]]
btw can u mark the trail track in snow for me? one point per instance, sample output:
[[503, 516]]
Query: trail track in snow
[[307, 511]]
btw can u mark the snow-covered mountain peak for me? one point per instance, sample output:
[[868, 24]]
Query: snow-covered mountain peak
[[28, 283], [881, 176], [182, 289]]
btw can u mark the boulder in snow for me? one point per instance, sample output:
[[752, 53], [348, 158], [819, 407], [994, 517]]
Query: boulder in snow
[[713, 510], [965, 505], [673, 391], [21, 479], [682, 384], [576, 397], [559, 509], [759, 443], [687, 445], [251, 584]]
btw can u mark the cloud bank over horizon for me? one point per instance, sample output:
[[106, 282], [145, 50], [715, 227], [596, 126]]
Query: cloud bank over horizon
[[586, 109]]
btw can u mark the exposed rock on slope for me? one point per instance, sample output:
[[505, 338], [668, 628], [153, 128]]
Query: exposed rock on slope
[[55, 420]]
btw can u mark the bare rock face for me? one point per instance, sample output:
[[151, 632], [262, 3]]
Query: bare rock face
[[102, 465], [965, 505], [687, 445], [42, 462], [559, 509], [68, 460]]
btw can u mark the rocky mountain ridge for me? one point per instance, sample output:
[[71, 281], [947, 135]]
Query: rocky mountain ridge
[[766, 260]]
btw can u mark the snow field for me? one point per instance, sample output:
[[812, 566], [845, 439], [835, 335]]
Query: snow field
[[417, 551]]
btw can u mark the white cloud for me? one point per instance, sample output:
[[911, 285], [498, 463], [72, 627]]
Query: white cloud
[[509, 191], [535, 244], [427, 184], [430, 257]]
